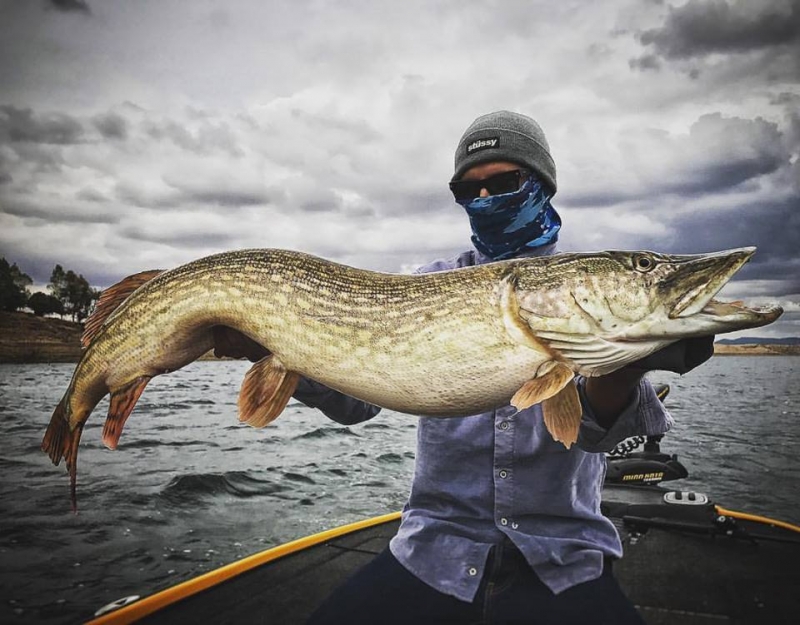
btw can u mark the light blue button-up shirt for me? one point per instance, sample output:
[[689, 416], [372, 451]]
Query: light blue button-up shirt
[[482, 478]]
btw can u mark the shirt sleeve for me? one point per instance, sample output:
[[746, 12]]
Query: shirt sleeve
[[333, 404], [644, 415]]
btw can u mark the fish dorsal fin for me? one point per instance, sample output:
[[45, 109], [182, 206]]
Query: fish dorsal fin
[[110, 300], [265, 392], [543, 386], [562, 415], [122, 402]]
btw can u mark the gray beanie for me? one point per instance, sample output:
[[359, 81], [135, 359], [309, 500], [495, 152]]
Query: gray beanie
[[506, 136]]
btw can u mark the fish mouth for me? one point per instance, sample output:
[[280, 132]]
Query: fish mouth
[[705, 275]]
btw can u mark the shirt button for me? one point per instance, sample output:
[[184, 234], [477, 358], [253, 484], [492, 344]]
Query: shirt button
[[504, 425], [514, 526], [473, 571], [503, 474], [504, 521]]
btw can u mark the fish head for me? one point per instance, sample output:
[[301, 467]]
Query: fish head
[[604, 310]]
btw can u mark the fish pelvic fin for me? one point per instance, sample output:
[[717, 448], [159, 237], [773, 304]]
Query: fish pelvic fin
[[561, 404], [562, 415], [122, 402], [542, 387], [59, 442], [111, 299], [266, 390]]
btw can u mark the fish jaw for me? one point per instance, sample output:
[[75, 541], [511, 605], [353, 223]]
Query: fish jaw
[[718, 317], [697, 279]]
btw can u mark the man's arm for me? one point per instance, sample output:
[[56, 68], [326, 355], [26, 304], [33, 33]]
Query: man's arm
[[623, 404], [610, 394]]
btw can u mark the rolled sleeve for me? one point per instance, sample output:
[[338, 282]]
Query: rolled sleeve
[[333, 404], [644, 415]]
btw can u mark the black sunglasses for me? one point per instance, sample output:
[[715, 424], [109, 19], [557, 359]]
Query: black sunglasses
[[506, 182]]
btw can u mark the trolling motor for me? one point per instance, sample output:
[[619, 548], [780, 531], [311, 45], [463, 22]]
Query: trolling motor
[[649, 466]]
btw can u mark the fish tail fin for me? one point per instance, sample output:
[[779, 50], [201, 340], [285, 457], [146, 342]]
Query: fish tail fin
[[59, 442]]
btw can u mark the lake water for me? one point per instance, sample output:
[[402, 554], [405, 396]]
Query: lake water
[[190, 489]]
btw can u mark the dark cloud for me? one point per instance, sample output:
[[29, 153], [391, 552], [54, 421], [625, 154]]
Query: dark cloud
[[230, 199], [702, 27], [645, 62], [111, 126], [206, 138], [128, 193], [191, 238], [45, 158], [5, 165], [22, 125], [220, 191], [78, 6], [593, 198], [736, 151], [771, 226], [56, 210], [719, 155], [91, 195]]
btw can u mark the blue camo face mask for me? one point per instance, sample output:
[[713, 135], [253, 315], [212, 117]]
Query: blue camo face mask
[[508, 224]]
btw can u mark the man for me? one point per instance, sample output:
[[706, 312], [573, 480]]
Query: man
[[503, 523]]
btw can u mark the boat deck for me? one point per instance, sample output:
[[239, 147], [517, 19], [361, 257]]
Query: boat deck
[[683, 565]]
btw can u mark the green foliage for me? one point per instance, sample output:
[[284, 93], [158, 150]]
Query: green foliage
[[73, 291], [43, 304], [13, 286]]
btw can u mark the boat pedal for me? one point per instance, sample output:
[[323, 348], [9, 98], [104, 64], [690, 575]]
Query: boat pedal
[[685, 498]]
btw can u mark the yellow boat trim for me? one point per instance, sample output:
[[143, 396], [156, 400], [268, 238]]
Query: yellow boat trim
[[168, 596], [746, 516]]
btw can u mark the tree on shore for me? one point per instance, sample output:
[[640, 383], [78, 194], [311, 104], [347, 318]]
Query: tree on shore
[[73, 291], [13, 286], [43, 304]]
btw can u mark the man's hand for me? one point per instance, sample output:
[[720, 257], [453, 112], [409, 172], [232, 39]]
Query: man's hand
[[609, 394], [680, 357], [230, 343]]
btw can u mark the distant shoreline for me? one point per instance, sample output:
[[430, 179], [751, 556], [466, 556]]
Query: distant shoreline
[[28, 339]]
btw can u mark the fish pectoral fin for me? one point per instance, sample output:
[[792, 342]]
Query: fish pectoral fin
[[122, 402], [592, 355], [265, 392], [562, 415], [111, 299], [537, 389]]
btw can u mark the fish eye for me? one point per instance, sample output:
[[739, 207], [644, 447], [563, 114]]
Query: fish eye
[[643, 263]]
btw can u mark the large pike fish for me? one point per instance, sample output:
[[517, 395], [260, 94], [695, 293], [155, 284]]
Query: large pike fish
[[440, 344]]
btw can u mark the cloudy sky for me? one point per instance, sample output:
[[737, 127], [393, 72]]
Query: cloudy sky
[[138, 135]]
